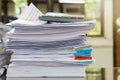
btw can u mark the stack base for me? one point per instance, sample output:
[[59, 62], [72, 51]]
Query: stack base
[[32, 72], [47, 78]]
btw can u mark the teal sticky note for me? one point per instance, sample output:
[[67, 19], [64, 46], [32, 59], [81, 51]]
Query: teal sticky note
[[86, 62], [83, 52]]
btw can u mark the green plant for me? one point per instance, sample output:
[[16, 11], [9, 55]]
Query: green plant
[[19, 3]]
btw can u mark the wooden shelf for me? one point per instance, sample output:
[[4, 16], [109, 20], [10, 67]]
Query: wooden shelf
[[0, 10]]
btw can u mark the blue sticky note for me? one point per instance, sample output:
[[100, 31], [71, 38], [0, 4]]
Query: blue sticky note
[[83, 52]]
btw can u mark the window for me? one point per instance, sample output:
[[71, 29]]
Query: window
[[91, 9], [19, 4]]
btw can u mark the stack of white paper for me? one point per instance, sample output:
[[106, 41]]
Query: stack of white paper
[[48, 46], [5, 55], [52, 32]]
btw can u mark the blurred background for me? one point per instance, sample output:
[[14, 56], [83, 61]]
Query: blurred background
[[105, 38]]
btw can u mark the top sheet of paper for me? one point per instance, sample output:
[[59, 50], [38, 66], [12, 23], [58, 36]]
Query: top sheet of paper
[[29, 16]]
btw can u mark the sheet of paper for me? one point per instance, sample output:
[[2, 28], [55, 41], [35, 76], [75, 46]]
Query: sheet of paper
[[15, 70], [29, 16]]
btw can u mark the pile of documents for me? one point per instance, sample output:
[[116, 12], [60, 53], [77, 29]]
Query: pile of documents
[[43, 49], [5, 55]]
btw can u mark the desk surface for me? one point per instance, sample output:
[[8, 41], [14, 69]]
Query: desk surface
[[110, 74]]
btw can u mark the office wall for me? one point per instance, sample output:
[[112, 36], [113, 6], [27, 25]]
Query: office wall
[[103, 46]]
